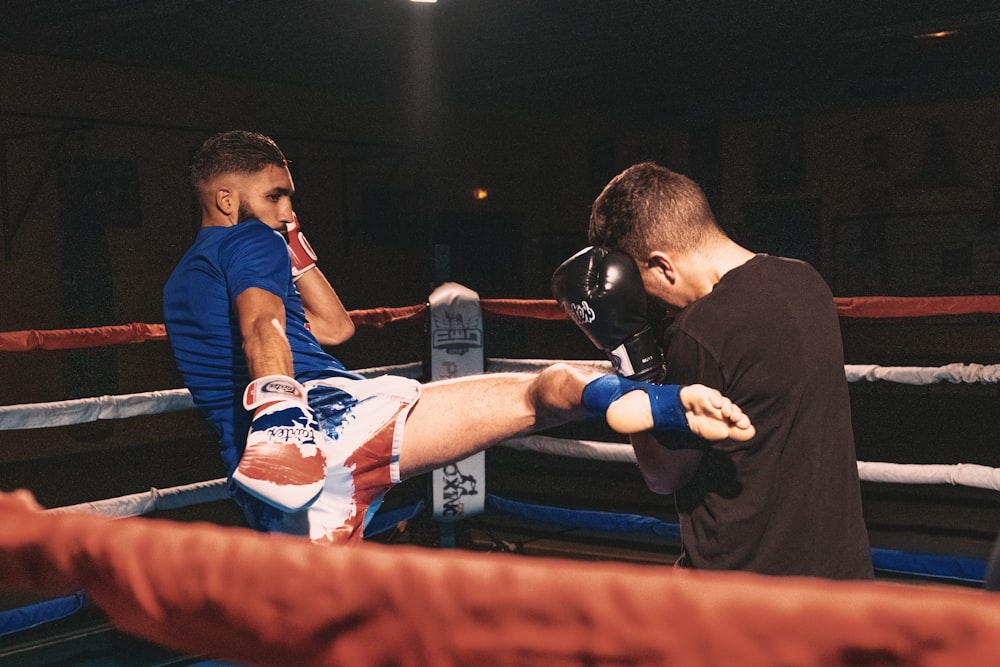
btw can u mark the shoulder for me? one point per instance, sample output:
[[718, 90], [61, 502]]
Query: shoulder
[[783, 264], [252, 231], [251, 240], [787, 271]]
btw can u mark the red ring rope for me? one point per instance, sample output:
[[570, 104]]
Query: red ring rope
[[874, 307]]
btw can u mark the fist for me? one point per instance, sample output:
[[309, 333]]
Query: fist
[[302, 255]]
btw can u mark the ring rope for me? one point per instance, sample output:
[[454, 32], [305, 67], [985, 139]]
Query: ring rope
[[137, 504], [916, 375], [121, 406], [117, 407], [875, 307], [63, 413]]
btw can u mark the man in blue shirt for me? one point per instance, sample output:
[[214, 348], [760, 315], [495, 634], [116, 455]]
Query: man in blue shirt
[[309, 446]]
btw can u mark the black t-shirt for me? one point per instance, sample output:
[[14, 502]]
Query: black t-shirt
[[788, 502]]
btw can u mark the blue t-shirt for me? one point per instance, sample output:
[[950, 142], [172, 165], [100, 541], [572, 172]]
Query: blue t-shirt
[[200, 316]]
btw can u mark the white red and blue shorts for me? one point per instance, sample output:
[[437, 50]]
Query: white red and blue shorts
[[363, 424]]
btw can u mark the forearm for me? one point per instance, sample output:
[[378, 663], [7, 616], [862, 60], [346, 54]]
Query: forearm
[[262, 325], [266, 349], [663, 469], [329, 321]]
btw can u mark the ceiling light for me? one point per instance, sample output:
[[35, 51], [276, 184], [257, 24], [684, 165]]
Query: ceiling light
[[937, 35]]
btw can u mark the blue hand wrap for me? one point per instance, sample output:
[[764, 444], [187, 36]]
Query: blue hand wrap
[[665, 400]]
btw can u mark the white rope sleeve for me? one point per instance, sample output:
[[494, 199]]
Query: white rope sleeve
[[82, 410], [579, 449], [917, 375], [61, 413], [960, 474], [138, 504], [411, 370], [535, 365], [122, 406]]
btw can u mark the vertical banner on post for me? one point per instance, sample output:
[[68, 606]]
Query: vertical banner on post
[[456, 349]]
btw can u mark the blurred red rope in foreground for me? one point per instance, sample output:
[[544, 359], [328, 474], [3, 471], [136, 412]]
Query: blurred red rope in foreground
[[870, 307]]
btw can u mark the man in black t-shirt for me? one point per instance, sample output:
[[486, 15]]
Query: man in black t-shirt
[[764, 331]]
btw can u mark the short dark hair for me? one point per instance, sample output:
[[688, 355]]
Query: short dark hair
[[649, 207], [234, 152]]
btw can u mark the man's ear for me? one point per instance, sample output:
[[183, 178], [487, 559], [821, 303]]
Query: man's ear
[[663, 265], [225, 200]]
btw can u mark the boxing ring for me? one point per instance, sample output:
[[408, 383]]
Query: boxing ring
[[936, 568]]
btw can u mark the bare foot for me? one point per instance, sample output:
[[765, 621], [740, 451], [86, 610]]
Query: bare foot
[[631, 413], [710, 415]]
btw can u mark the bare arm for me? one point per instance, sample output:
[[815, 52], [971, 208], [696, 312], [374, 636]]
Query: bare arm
[[262, 323], [328, 319], [664, 470]]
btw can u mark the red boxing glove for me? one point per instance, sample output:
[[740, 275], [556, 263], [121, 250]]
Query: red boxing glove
[[302, 254]]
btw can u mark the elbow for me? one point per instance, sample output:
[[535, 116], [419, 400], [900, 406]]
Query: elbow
[[664, 470], [669, 476], [665, 480], [663, 487], [335, 334], [345, 331]]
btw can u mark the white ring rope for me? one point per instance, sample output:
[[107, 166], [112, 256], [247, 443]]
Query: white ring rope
[[915, 375], [138, 504], [595, 450], [63, 413], [83, 410], [960, 474], [954, 373]]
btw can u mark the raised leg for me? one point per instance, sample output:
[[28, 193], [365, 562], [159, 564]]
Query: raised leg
[[456, 418]]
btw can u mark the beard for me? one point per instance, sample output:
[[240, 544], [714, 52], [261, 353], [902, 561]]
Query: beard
[[244, 213]]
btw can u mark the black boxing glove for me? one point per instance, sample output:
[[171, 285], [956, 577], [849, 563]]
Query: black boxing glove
[[601, 290]]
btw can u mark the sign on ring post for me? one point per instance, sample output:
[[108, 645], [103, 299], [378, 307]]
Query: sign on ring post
[[456, 341]]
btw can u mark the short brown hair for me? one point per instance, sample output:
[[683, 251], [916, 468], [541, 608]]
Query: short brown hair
[[234, 152], [649, 207]]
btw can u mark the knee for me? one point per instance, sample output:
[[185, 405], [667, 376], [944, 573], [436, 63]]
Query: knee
[[556, 375], [559, 386]]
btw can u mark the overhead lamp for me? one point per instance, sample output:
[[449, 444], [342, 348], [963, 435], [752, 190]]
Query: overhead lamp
[[937, 34]]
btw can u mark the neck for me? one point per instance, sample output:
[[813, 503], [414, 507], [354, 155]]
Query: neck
[[213, 217], [720, 260]]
